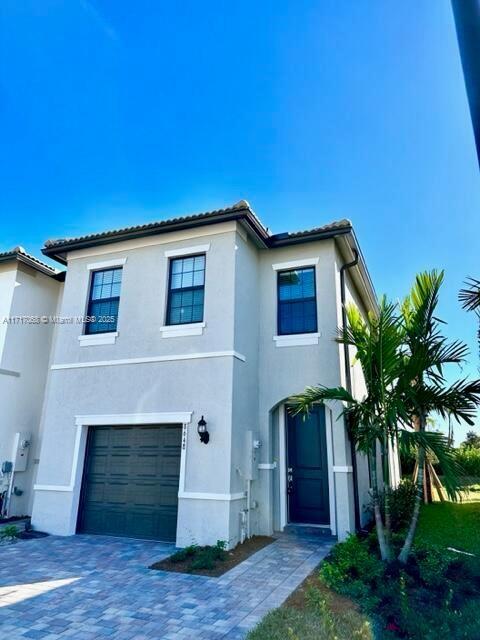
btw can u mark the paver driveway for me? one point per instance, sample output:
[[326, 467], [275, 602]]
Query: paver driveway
[[87, 587]]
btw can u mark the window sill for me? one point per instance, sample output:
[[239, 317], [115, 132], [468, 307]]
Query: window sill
[[296, 339], [180, 330], [98, 338]]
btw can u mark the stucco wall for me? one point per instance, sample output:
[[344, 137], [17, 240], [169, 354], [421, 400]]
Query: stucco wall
[[233, 374], [201, 385], [26, 350], [353, 297]]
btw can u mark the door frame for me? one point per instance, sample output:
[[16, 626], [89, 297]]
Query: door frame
[[282, 439]]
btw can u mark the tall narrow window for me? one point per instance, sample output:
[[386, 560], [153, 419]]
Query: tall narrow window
[[186, 290], [297, 304], [103, 301]]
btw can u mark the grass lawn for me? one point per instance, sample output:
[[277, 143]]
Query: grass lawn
[[453, 524], [450, 524], [314, 612]]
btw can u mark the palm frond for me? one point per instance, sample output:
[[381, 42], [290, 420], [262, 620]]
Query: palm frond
[[460, 400], [470, 295], [437, 445], [418, 309], [303, 402]]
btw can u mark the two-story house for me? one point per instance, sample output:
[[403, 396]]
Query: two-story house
[[29, 291], [166, 408]]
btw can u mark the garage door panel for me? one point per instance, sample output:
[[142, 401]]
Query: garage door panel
[[146, 438], [170, 466], [130, 485], [99, 464]]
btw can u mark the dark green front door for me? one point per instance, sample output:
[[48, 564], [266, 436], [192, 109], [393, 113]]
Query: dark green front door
[[130, 483], [307, 470]]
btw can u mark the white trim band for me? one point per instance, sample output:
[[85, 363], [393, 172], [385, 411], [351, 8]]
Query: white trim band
[[181, 330], [172, 358], [82, 422], [187, 251], [343, 469], [52, 487], [293, 264], [115, 419], [91, 339], [226, 497], [105, 264], [296, 340]]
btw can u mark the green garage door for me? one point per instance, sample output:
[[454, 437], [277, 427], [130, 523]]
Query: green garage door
[[130, 483]]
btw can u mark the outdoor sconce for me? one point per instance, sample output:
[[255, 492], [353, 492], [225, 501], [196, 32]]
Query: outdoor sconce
[[202, 431]]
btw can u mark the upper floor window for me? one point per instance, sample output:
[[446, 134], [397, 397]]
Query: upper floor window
[[186, 288], [297, 303], [103, 300]]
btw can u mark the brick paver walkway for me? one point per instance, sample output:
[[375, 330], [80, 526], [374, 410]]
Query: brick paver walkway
[[95, 587]]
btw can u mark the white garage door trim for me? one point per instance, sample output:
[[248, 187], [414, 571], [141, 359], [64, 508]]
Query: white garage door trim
[[82, 422]]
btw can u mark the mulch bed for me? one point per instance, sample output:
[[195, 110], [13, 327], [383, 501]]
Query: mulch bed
[[233, 557]]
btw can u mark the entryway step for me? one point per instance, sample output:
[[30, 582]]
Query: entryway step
[[308, 530]]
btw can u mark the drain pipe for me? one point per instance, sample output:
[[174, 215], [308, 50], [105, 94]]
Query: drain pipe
[[348, 379]]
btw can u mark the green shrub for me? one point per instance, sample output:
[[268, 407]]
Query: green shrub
[[402, 500], [183, 554], [9, 533], [469, 459], [353, 570], [433, 565], [424, 600], [201, 557], [204, 559]]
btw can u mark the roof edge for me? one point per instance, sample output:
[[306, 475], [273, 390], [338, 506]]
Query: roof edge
[[57, 250], [18, 254]]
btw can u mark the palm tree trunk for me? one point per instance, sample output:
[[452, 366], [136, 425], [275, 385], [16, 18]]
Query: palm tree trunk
[[386, 493], [407, 545], [382, 542]]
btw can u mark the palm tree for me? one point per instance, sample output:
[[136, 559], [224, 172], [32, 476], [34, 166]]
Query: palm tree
[[424, 388], [470, 299], [372, 420], [402, 357]]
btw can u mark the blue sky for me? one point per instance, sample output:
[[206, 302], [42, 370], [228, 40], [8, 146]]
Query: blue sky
[[116, 113]]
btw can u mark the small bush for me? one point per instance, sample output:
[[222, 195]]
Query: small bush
[[9, 533], [353, 570], [183, 554], [402, 500], [469, 459], [423, 600], [206, 557], [201, 557]]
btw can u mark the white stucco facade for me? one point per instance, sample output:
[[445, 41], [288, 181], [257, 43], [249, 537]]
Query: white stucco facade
[[232, 368], [25, 350]]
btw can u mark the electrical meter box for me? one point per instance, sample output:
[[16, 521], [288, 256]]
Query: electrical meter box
[[23, 442], [253, 457]]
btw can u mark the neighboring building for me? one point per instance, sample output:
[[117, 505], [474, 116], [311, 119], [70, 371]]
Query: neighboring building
[[208, 319], [467, 21], [27, 288]]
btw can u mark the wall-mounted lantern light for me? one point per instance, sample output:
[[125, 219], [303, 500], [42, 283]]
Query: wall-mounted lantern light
[[202, 431]]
